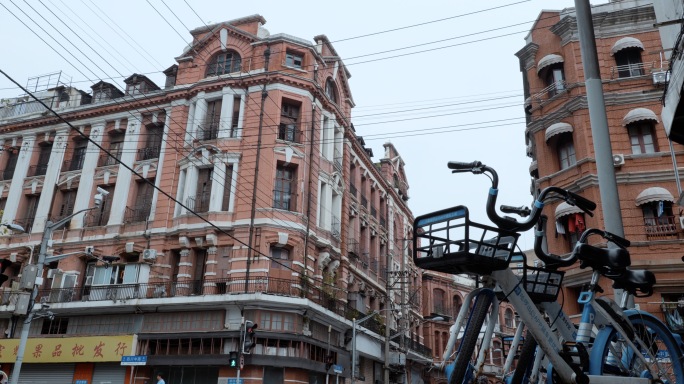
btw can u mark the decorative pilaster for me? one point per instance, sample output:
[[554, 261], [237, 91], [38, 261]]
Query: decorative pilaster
[[200, 115], [160, 164], [84, 196], [16, 188], [226, 114], [123, 180], [51, 176], [184, 284], [210, 272], [217, 185]]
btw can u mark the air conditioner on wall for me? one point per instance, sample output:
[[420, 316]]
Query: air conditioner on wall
[[661, 77], [618, 160], [150, 254]]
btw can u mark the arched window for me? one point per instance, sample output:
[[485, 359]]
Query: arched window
[[331, 90], [508, 318], [224, 62], [457, 303], [656, 205], [627, 52]]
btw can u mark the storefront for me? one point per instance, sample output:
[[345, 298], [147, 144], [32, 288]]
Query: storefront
[[92, 360]]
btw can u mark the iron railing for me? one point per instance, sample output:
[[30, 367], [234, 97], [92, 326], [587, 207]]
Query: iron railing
[[97, 219], [352, 189], [148, 153], [383, 222], [207, 131], [24, 108], [138, 213], [664, 226], [550, 91], [74, 164], [636, 69], [336, 227], [337, 160], [106, 160], [364, 201], [374, 211], [37, 170], [199, 203]]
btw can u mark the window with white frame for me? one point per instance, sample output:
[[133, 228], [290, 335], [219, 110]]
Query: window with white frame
[[294, 59]]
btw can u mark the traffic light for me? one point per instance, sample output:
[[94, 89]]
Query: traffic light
[[329, 361], [233, 359], [4, 263], [249, 337]]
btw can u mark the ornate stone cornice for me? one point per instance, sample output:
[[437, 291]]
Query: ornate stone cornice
[[527, 56], [608, 24]]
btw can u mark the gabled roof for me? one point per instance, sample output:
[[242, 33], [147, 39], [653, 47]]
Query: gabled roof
[[137, 78]]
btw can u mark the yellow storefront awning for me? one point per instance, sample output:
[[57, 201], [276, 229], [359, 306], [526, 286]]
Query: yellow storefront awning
[[68, 349]]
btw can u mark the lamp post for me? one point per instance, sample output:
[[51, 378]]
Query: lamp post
[[50, 227], [355, 323]]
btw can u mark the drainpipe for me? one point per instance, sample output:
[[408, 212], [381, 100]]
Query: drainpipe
[[264, 94]]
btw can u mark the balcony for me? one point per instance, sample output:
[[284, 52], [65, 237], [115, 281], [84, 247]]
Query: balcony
[[336, 227], [207, 131], [138, 213], [353, 248], [37, 170], [383, 222], [550, 91], [26, 223], [661, 227], [374, 212], [74, 164], [97, 219], [636, 70], [106, 160], [21, 107], [364, 201], [338, 161], [200, 287], [148, 153], [198, 203], [289, 133]]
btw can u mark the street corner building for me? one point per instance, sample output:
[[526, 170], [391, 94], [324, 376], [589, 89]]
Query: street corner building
[[640, 70], [236, 205]]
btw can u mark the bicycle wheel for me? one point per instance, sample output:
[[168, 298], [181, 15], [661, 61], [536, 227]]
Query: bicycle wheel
[[466, 356], [612, 356], [523, 368]]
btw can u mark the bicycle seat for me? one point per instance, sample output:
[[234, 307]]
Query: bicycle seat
[[602, 258], [636, 280]]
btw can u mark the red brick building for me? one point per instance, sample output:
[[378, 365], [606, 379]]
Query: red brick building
[[559, 138], [270, 209]]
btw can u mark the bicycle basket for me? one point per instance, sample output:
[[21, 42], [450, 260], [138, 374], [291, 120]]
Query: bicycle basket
[[542, 284], [447, 241]]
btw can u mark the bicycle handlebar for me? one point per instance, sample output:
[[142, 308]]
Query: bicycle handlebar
[[510, 223], [555, 261]]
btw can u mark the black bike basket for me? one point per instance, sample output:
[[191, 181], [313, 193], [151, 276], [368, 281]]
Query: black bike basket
[[447, 241], [541, 284]]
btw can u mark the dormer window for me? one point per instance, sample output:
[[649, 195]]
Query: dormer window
[[139, 84], [294, 59], [223, 63]]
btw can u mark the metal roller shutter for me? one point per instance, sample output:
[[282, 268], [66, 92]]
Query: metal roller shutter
[[47, 374], [109, 373]]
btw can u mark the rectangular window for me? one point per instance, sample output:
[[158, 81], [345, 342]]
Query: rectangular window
[[237, 100], [66, 205], [280, 257], [294, 60], [641, 138], [200, 203], [273, 375], [142, 202], [284, 196], [566, 154], [100, 216], [77, 157], [116, 141], [209, 130], [56, 326], [153, 142], [12, 156], [288, 129], [43, 160], [225, 204], [629, 63]]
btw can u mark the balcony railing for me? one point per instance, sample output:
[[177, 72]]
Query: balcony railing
[[183, 288], [37, 170], [383, 222], [636, 70], [550, 91], [336, 227], [353, 247], [7, 174], [73, 164], [674, 315], [138, 213], [96, 219], [199, 203], [24, 108], [148, 153], [664, 226], [338, 160], [374, 211], [352, 189], [364, 201], [207, 131], [106, 160]]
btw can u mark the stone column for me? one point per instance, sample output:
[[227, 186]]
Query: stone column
[[123, 179], [84, 195], [199, 116], [190, 124], [50, 179], [17, 186], [184, 285], [190, 186], [210, 272], [218, 181], [226, 113], [160, 164]]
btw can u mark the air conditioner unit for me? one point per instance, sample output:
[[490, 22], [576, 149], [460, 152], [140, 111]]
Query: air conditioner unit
[[618, 160], [52, 272], [681, 221], [150, 254], [661, 77]]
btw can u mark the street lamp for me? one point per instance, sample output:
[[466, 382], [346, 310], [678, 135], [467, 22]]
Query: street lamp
[[355, 323], [50, 227]]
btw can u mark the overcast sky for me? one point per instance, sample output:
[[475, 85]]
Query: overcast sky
[[447, 87]]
